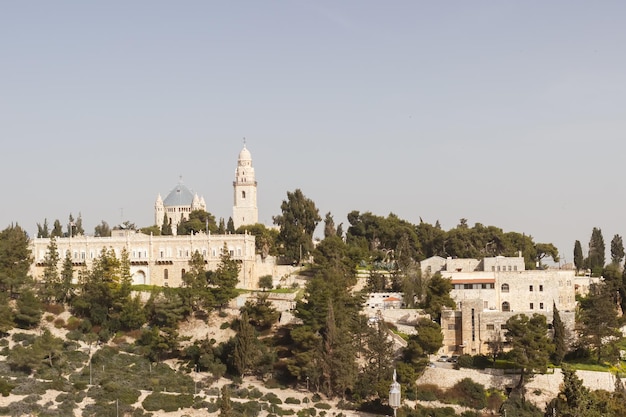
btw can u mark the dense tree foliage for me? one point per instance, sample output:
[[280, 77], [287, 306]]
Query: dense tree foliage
[[265, 238], [596, 255], [15, 260], [579, 260], [530, 346], [599, 324], [198, 221], [297, 223]]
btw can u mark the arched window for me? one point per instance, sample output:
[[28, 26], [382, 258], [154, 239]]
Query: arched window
[[506, 306], [505, 288], [182, 273], [243, 194], [166, 274]]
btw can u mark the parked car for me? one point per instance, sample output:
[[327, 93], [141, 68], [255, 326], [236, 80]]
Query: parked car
[[443, 358], [453, 359]]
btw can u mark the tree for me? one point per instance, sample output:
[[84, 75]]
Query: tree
[[264, 238], [246, 351], [15, 260], [221, 227], [198, 221], [226, 408], [599, 323], [261, 313], [329, 226], [166, 227], [67, 277], [530, 346], [428, 336], [6, 315], [230, 226], [43, 231], [297, 223], [438, 296], [266, 282], [378, 363], [29, 310], [579, 260], [57, 229], [102, 230], [559, 337], [50, 286], [546, 250], [195, 291], [495, 344], [223, 281], [596, 256], [617, 249]]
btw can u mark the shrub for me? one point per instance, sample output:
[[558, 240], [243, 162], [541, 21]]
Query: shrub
[[322, 406], [465, 361], [74, 335], [167, 402], [291, 400], [224, 325], [58, 323], [468, 394], [429, 392], [28, 339], [271, 398], [5, 387], [49, 318], [72, 323], [54, 308]]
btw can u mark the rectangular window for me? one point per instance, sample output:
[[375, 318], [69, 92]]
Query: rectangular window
[[493, 267], [515, 268], [532, 306], [491, 327], [468, 286], [541, 288], [540, 306], [530, 288], [503, 327]]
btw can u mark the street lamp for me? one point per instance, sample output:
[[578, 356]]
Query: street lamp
[[394, 394]]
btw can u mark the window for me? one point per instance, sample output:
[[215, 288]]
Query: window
[[540, 306], [451, 327], [503, 327], [467, 286], [515, 268], [505, 288], [491, 327], [509, 267], [166, 274], [530, 288], [243, 194], [498, 268], [485, 305], [541, 288], [493, 267], [182, 272], [506, 306], [532, 306]]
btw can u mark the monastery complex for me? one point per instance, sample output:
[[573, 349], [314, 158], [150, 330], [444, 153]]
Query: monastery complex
[[162, 260]]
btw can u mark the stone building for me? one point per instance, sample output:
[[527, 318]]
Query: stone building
[[154, 260], [162, 260], [177, 205], [488, 292]]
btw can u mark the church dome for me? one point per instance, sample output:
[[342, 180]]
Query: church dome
[[245, 155], [179, 196]]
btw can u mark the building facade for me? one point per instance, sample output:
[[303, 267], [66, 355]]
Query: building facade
[[154, 260], [245, 210], [488, 292]]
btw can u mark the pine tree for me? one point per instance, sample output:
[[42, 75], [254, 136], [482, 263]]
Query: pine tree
[[224, 279], [43, 231], [221, 227], [50, 286], [230, 226], [67, 277], [226, 408], [559, 337], [599, 323], [29, 310]]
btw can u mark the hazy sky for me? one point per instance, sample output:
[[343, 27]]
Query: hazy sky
[[510, 114]]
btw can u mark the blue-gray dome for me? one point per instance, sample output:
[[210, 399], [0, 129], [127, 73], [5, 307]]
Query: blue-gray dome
[[179, 196]]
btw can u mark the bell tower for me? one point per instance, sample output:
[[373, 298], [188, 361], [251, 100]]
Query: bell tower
[[245, 210]]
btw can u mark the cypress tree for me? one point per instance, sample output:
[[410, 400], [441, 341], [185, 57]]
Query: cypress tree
[[579, 260], [558, 327]]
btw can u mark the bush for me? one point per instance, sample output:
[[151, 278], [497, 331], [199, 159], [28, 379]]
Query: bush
[[49, 318], [468, 394], [72, 323], [167, 402], [322, 406], [224, 325], [429, 392], [58, 323], [271, 398], [5, 387], [28, 339], [55, 309], [291, 400]]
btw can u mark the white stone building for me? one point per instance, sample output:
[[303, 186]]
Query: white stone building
[[162, 260], [487, 292]]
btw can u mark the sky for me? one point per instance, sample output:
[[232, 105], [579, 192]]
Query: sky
[[508, 113]]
